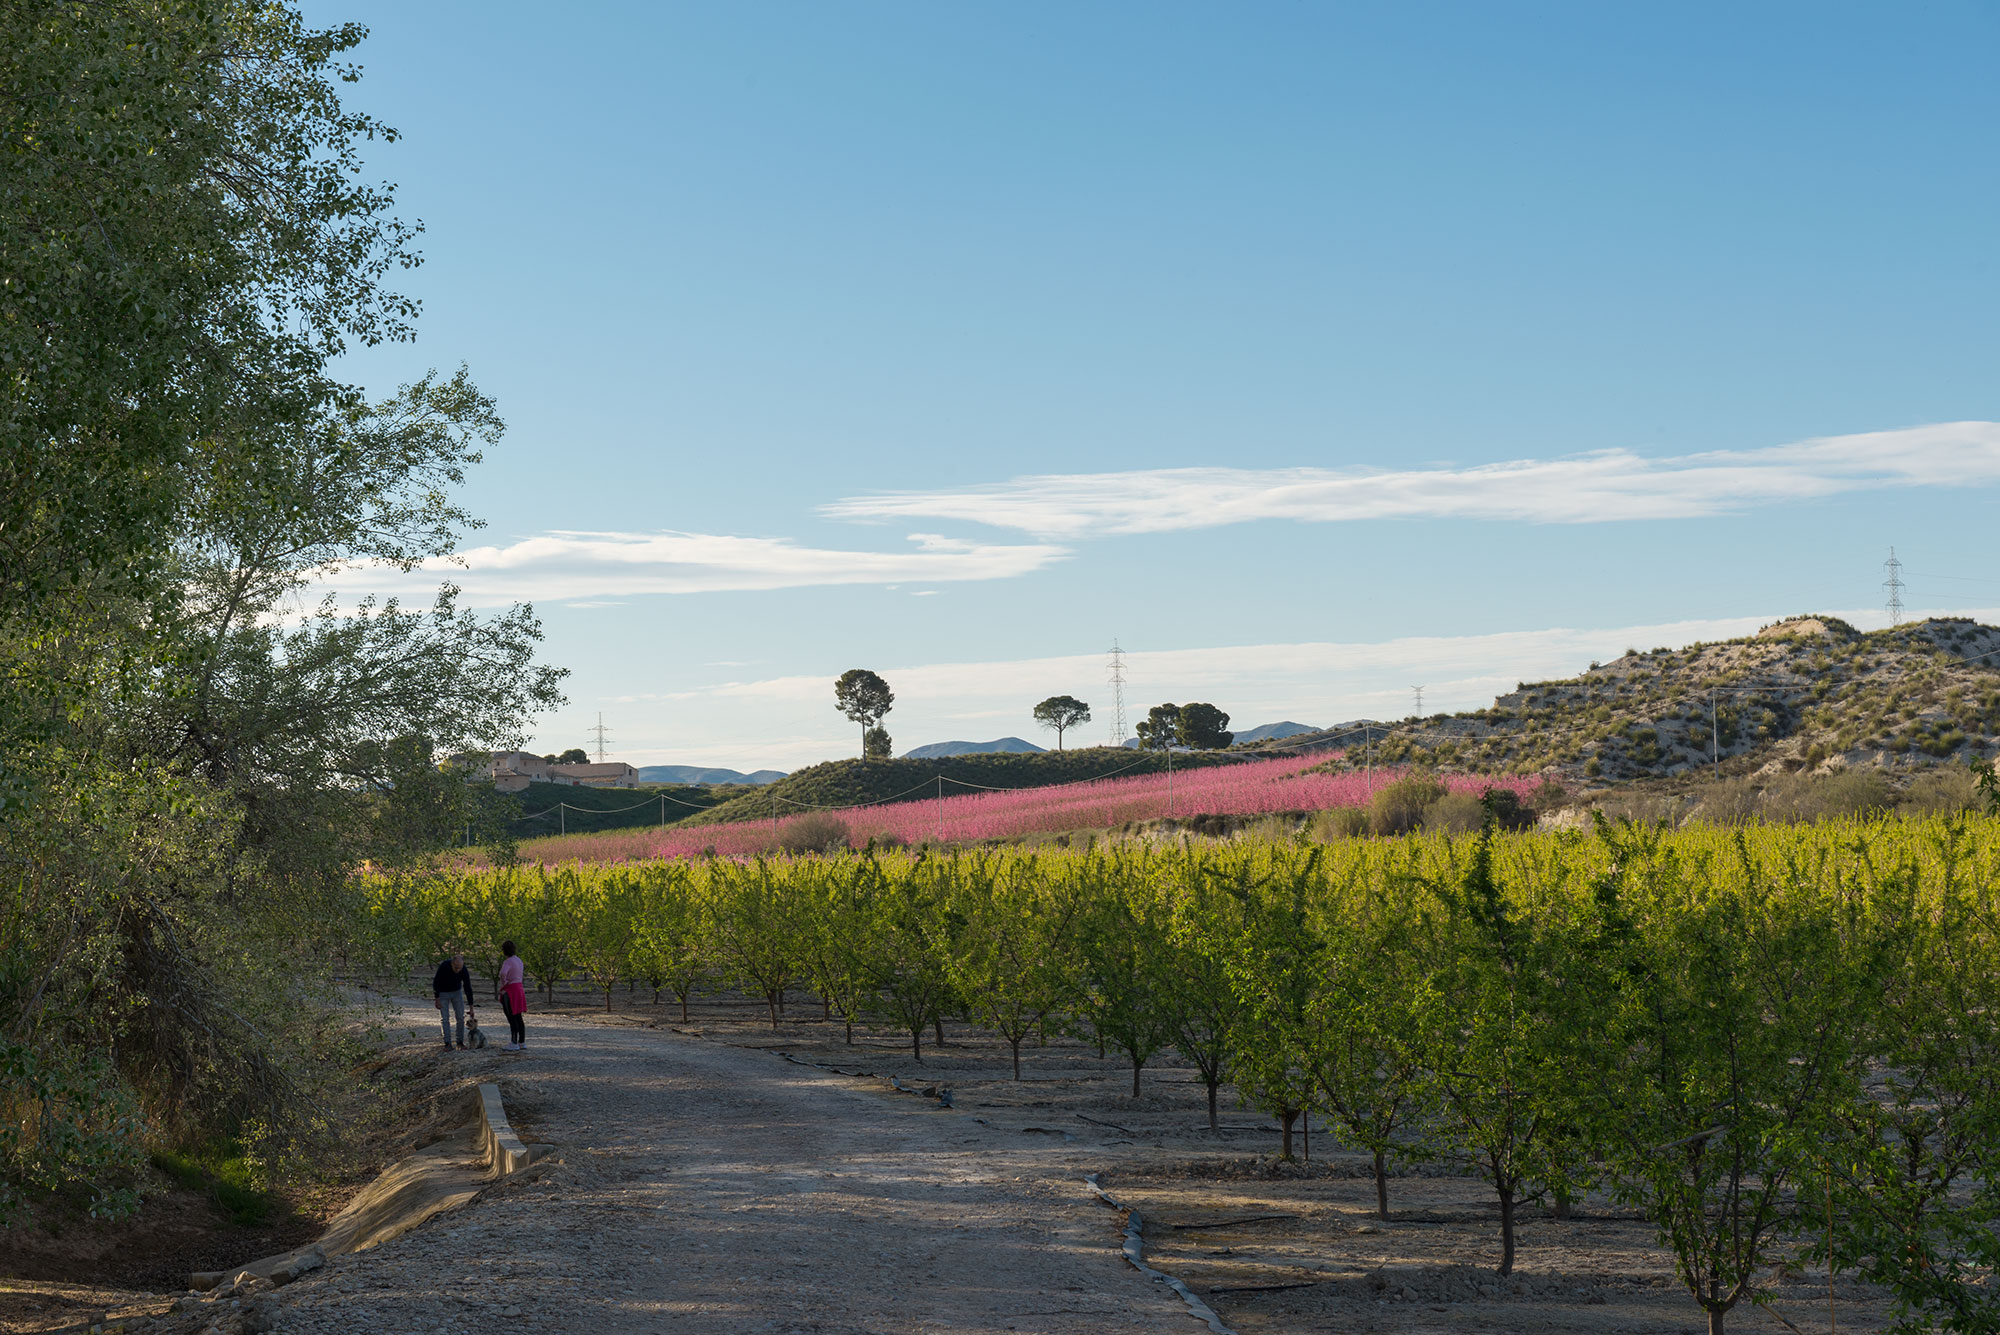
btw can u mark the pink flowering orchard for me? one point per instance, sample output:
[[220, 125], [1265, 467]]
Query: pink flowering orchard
[[1252, 788]]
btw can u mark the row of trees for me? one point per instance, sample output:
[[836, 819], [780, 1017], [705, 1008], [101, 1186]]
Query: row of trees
[[189, 767], [865, 698], [1766, 1039]]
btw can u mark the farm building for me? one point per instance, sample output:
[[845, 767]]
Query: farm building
[[512, 771]]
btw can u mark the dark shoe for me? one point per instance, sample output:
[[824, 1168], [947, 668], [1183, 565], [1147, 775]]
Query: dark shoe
[[461, 1047]]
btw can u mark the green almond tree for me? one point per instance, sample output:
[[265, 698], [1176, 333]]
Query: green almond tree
[[905, 943], [1126, 961], [760, 921], [839, 894], [1201, 902], [1351, 1034], [1013, 963], [1746, 1000], [1909, 1176], [1272, 972], [1505, 1029], [674, 933]]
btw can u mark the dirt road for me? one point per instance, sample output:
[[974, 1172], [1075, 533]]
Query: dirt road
[[700, 1187]]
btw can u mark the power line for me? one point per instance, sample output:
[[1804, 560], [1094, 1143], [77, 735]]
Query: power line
[[600, 733], [1894, 584], [1420, 700], [1117, 695]]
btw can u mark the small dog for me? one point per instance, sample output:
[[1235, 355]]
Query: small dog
[[473, 1038]]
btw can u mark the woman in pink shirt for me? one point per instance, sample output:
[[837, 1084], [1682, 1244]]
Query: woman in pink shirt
[[513, 996]]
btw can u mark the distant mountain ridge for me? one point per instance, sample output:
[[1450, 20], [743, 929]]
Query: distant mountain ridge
[[1263, 732], [1271, 732], [999, 746], [699, 774]]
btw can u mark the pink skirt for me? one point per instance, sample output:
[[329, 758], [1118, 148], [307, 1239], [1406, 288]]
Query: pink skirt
[[516, 997]]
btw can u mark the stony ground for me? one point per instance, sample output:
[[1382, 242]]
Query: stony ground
[[723, 1175], [702, 1187]]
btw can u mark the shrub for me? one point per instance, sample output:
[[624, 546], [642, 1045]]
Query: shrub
[[1727, 802], [814, 832], [1549, 795], [1399, 808], [1829, 797], [1455, 813], [1944, 791], [1340, 823]]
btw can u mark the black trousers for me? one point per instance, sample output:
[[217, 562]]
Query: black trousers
[[516, 1031]]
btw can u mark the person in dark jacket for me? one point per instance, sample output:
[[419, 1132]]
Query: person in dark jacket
[[451, 988]]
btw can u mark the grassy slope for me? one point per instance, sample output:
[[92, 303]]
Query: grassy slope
[[839, 783], [1801, 695], [685, 800]]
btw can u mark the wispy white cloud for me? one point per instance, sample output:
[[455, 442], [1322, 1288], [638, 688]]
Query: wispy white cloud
[[1599, 487], [588, 569]]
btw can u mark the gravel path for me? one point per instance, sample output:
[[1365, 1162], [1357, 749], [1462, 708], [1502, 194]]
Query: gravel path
[[699, 1187]]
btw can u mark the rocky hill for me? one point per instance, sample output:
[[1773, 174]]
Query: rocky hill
[[1805, 694]]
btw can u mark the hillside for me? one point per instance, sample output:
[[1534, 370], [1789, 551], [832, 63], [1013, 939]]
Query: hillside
[[1805, 694], [841, 783], [589, 810]]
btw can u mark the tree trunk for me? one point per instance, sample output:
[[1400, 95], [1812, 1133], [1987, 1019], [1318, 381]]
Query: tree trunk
[[1381, 1187], [1506, 1230], [938, 1020], [1214, 1126], [771, 1000], [607, 1001], [1290, 1116], [917, 1041], [1135, 1078], [850, 1028], [684, 1009], [1715, 1315], [1561, 1208], [1015, 1043], [826, 1008]]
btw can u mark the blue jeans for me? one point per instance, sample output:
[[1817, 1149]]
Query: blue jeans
[[448, 1002]]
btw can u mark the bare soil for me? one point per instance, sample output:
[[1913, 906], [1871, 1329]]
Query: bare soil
[[722, 1175]]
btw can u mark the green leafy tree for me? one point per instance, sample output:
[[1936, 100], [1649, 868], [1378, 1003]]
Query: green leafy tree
[[905, 945], [608, 922], [1204, 919], [1160, 728], [576, 755], [865, 698], [1013, 963], [839, 895], [1744, 1012], [1352, 1037], [1126, 961], [1272, 971], [876, 744], [674, 935], [1202, 727], [1910, 1173], [189, 239], [1061, 713], [1501, 1030], [758, 915]]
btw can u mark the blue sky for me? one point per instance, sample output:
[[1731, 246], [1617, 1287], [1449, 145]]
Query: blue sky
[[1310, 351]]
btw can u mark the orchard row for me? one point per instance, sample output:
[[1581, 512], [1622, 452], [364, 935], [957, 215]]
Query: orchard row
[[1761, 1037]]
